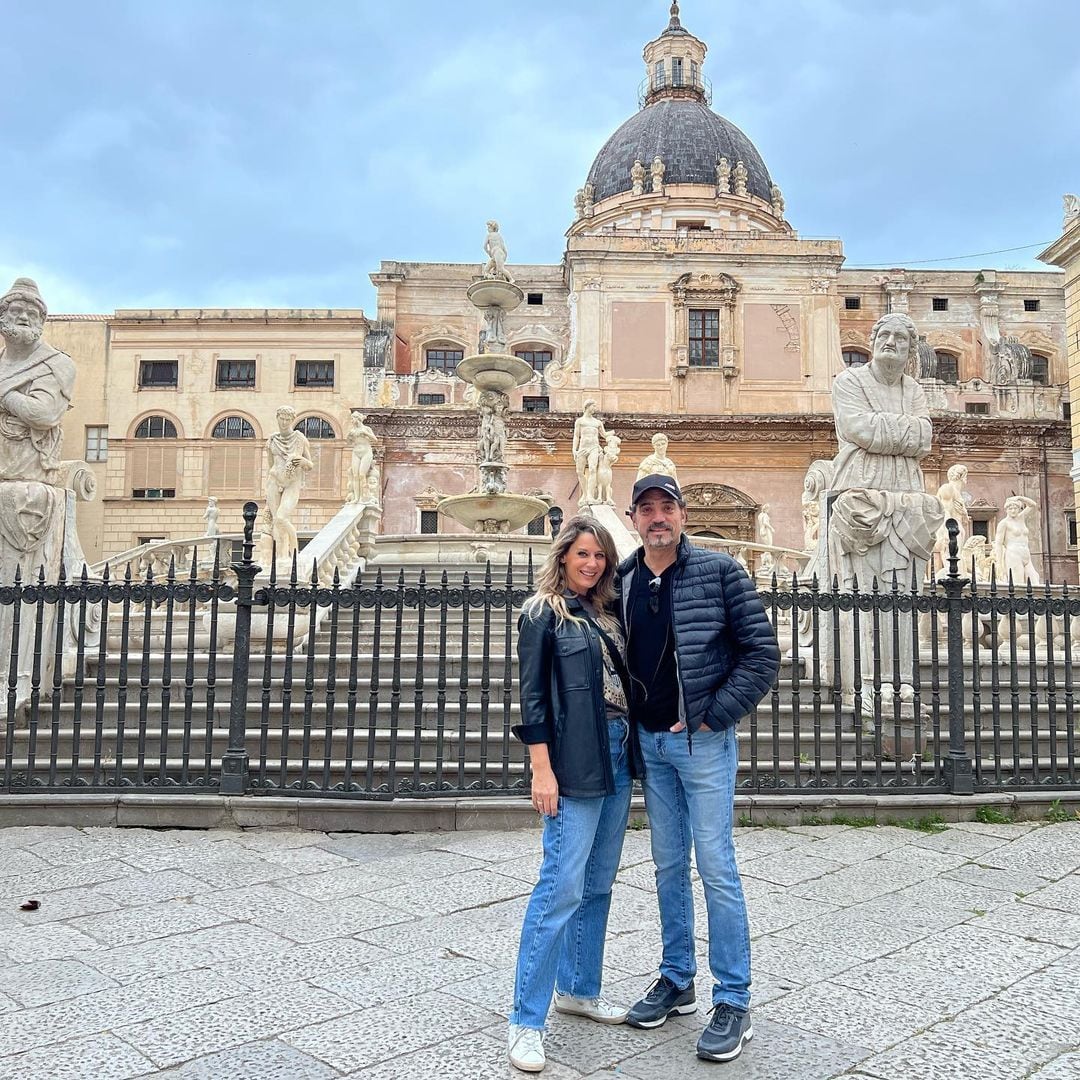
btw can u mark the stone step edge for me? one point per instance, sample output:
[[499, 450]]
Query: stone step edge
[[147, 810]]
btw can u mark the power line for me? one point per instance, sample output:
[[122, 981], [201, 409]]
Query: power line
[[951, 258]]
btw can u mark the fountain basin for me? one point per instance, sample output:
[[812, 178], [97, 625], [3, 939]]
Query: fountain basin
[[494, 371], [494, 292], [492, 513]]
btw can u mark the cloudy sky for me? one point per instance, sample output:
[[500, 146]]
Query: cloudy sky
[[271, 152]]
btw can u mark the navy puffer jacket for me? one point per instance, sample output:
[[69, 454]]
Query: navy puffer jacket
[[725, 649]]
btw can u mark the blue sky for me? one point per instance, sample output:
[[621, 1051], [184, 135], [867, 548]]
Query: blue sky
[[270, 153]]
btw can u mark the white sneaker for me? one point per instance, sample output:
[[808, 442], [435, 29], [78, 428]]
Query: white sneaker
[[526, 1049], [603, 1012]]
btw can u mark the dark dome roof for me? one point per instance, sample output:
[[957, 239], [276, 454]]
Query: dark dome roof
[[689, 138]]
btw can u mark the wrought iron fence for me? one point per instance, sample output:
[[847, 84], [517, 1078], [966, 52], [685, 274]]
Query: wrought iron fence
[[404, 684]]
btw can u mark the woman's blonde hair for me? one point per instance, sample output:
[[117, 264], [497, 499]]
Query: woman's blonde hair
[[551, 578]]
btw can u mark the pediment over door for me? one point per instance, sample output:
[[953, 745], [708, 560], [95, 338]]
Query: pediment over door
[[721, 510]]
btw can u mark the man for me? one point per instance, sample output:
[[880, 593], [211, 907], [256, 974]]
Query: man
[[702, 654]]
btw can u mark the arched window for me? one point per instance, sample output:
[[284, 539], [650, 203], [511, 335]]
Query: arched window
[[156, 427], [948, 367], [855, 357], [1040, 368], [315, 427], [151, 465], [233, 427]]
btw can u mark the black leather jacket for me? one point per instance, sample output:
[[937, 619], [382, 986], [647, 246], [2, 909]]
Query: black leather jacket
[[561, 686]]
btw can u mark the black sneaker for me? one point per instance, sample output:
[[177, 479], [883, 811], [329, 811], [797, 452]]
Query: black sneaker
[[723, 1039], [661, 1000]]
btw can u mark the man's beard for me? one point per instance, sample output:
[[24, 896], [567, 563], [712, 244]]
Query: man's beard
[[14, 334]]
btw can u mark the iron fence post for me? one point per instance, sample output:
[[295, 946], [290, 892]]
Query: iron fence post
[[234, 763], [957, 765]]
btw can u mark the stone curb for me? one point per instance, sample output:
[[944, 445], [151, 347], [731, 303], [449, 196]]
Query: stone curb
[[149, 811]]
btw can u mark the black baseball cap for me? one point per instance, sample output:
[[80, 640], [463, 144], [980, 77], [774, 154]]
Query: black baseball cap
[[659, 481]]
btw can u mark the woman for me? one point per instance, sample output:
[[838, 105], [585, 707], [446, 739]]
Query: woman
[[583, 755]]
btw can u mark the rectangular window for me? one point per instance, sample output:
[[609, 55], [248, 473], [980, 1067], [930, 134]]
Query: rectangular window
[[97, 444], [977, 408], [980, 527], [535, 404], [159, 373], [431, 399], [1066, 410], [852, 303], [941, 303], [676, 71], [153, 493], [443, 359], [659, 79], [948, 368], [429, 522], [539, 358], [140, 540], [314, 372], [692, 226], [1040, 369], [534, 299], [235, 374], [704, 337], [1070, 528], [695, 79], [1031, 305], [536, 527]]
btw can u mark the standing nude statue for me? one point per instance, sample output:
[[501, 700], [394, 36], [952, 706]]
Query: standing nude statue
[[951, 494], [210, 516], [604, 491], [1012, 548], [588, 431], [495, 246], [288, 457], [361, 440]]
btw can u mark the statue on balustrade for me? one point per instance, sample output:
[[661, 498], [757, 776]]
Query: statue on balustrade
[[604, 490], [882, 524], [36, 385], [288, 458], [1012, 544], [658, 461], [953, 505], [588, 431], [361, 440], [210, 516]]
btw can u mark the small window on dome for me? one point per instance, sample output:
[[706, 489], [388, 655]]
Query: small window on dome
[[691, 225], [659, 77], [695, 77], [676, 71]]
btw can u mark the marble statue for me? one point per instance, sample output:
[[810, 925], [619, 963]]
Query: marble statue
[[977, 557], [741, 176], [288, 457], [723, 177], [361, 441], [657, 171], [882, 523], [777, 201], [491, 442], [589, 193], [1012, 548], [579, 204], [604, 489], [765, 531], [637, 178], [493, 335], [815, 488], [210, 516], [36, 385], [495, 246], [588, 431], [1072, 211], [925, 360], [811, 514], [953, 505], [658, 461]]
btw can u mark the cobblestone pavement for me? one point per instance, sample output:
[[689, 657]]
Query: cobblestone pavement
[[878, 952]]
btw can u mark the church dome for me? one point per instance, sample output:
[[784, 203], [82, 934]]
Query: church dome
[[688, 137]]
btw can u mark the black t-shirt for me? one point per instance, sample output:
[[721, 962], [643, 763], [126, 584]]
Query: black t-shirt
[[650, 651]]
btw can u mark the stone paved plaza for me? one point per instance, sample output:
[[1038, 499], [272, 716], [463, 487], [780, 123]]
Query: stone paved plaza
[[880, 952]]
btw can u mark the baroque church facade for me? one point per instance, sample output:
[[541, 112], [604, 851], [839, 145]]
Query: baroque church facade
[[686, 302]]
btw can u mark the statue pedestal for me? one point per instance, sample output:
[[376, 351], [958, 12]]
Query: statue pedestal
[[626, 542]]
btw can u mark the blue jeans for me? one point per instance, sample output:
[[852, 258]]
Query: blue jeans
[[562, 939], [692, 797]]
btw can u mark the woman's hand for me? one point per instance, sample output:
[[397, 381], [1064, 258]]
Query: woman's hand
[[545, 791]]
